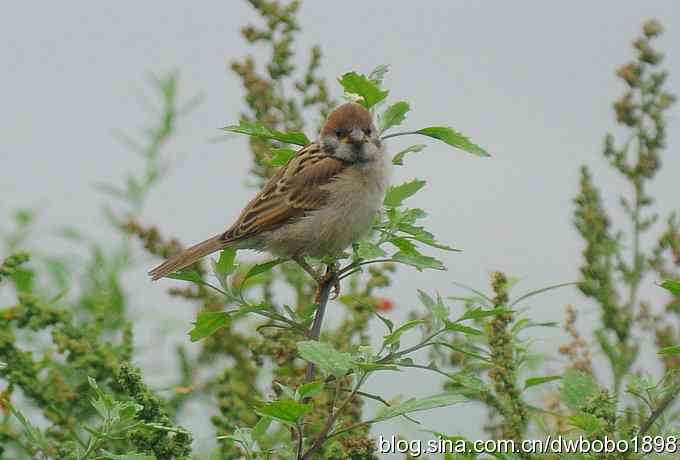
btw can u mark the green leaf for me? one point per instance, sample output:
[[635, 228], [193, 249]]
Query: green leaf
[[129, 456], [327, 358], [464, 351], [207, 323], [404, 245], [261, 427], [453, 138], [438, 309], [397, 194], [673, 350], [398, 159], [281, 156], [262, 132], [34, 435], [225, 264], [394, 337], [388, 324], [378, 74], [307, 390], [262, 268], [285, 411], [186, 275], [366, 250], [423, 236], [416, 405], [393, 116], [418, 260], [577, 388], [23, 280], [672, 286], [587, 422], [370, 92], [478, 312], [104, 404], [533, 381], [460, 328]]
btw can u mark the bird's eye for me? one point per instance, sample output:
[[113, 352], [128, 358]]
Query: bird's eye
[[368, 131], [339, 132]]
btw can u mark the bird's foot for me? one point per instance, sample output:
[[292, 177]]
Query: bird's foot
[[330, 276], [316, 276]]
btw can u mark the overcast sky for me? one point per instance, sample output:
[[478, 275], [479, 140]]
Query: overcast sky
[[532, 82]]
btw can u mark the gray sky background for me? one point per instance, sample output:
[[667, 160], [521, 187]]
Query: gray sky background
[[533, 82]]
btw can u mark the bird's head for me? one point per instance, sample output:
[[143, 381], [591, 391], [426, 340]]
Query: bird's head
[[349, 134]]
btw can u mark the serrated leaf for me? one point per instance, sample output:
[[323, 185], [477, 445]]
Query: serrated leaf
[[453, 138], [673, 350], [461, 328], [533, 381], [398, 159], [417, 405], [286, 411], [262, 132], [403, 245], [370, 92], [366, 250], [34, 435], [393, 116], [396, 195], [423, 236], [186, 275], [577, 387], [395, 336], [225, 264], [438, 309], [207, 323], [478, 312], [378, 74], [672, 286], [258, 269], [587, 422], [418, 260], [281, 156], [327, 358]]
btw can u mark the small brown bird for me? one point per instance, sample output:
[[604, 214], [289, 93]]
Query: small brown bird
[[320, 202]]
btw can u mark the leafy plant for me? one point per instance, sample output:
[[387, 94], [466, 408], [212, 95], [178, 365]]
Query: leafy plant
[[276, 381]]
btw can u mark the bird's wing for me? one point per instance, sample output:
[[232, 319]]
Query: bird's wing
[[296, 188]]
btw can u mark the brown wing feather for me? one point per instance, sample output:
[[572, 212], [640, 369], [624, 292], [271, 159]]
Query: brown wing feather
[[296, 188]]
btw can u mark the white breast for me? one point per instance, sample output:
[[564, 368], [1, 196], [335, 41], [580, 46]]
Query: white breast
[[355, 197]]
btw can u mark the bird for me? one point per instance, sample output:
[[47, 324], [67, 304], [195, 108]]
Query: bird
[[320, 202]]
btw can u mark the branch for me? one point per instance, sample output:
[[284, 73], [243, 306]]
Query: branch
[[665, 403], [324, 290], [323, 435]]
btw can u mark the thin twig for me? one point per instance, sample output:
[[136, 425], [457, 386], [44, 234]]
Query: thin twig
[[299, 445], [405, 133], [663, 405], [323, 435]]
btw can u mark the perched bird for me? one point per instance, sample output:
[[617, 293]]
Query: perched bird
[[320, 202]]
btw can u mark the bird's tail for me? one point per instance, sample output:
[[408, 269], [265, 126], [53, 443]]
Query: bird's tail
[[188, 257]]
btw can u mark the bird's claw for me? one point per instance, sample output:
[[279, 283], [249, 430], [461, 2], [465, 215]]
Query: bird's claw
[[330, 276]]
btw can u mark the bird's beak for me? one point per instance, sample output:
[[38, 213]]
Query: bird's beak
[[357, 136]]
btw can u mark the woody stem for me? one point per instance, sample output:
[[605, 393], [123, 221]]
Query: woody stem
[[323, 293]]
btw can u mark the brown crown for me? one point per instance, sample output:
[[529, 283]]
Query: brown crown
[[347, 117]]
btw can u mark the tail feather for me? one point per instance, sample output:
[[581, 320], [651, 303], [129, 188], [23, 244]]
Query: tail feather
[[188, 257]]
